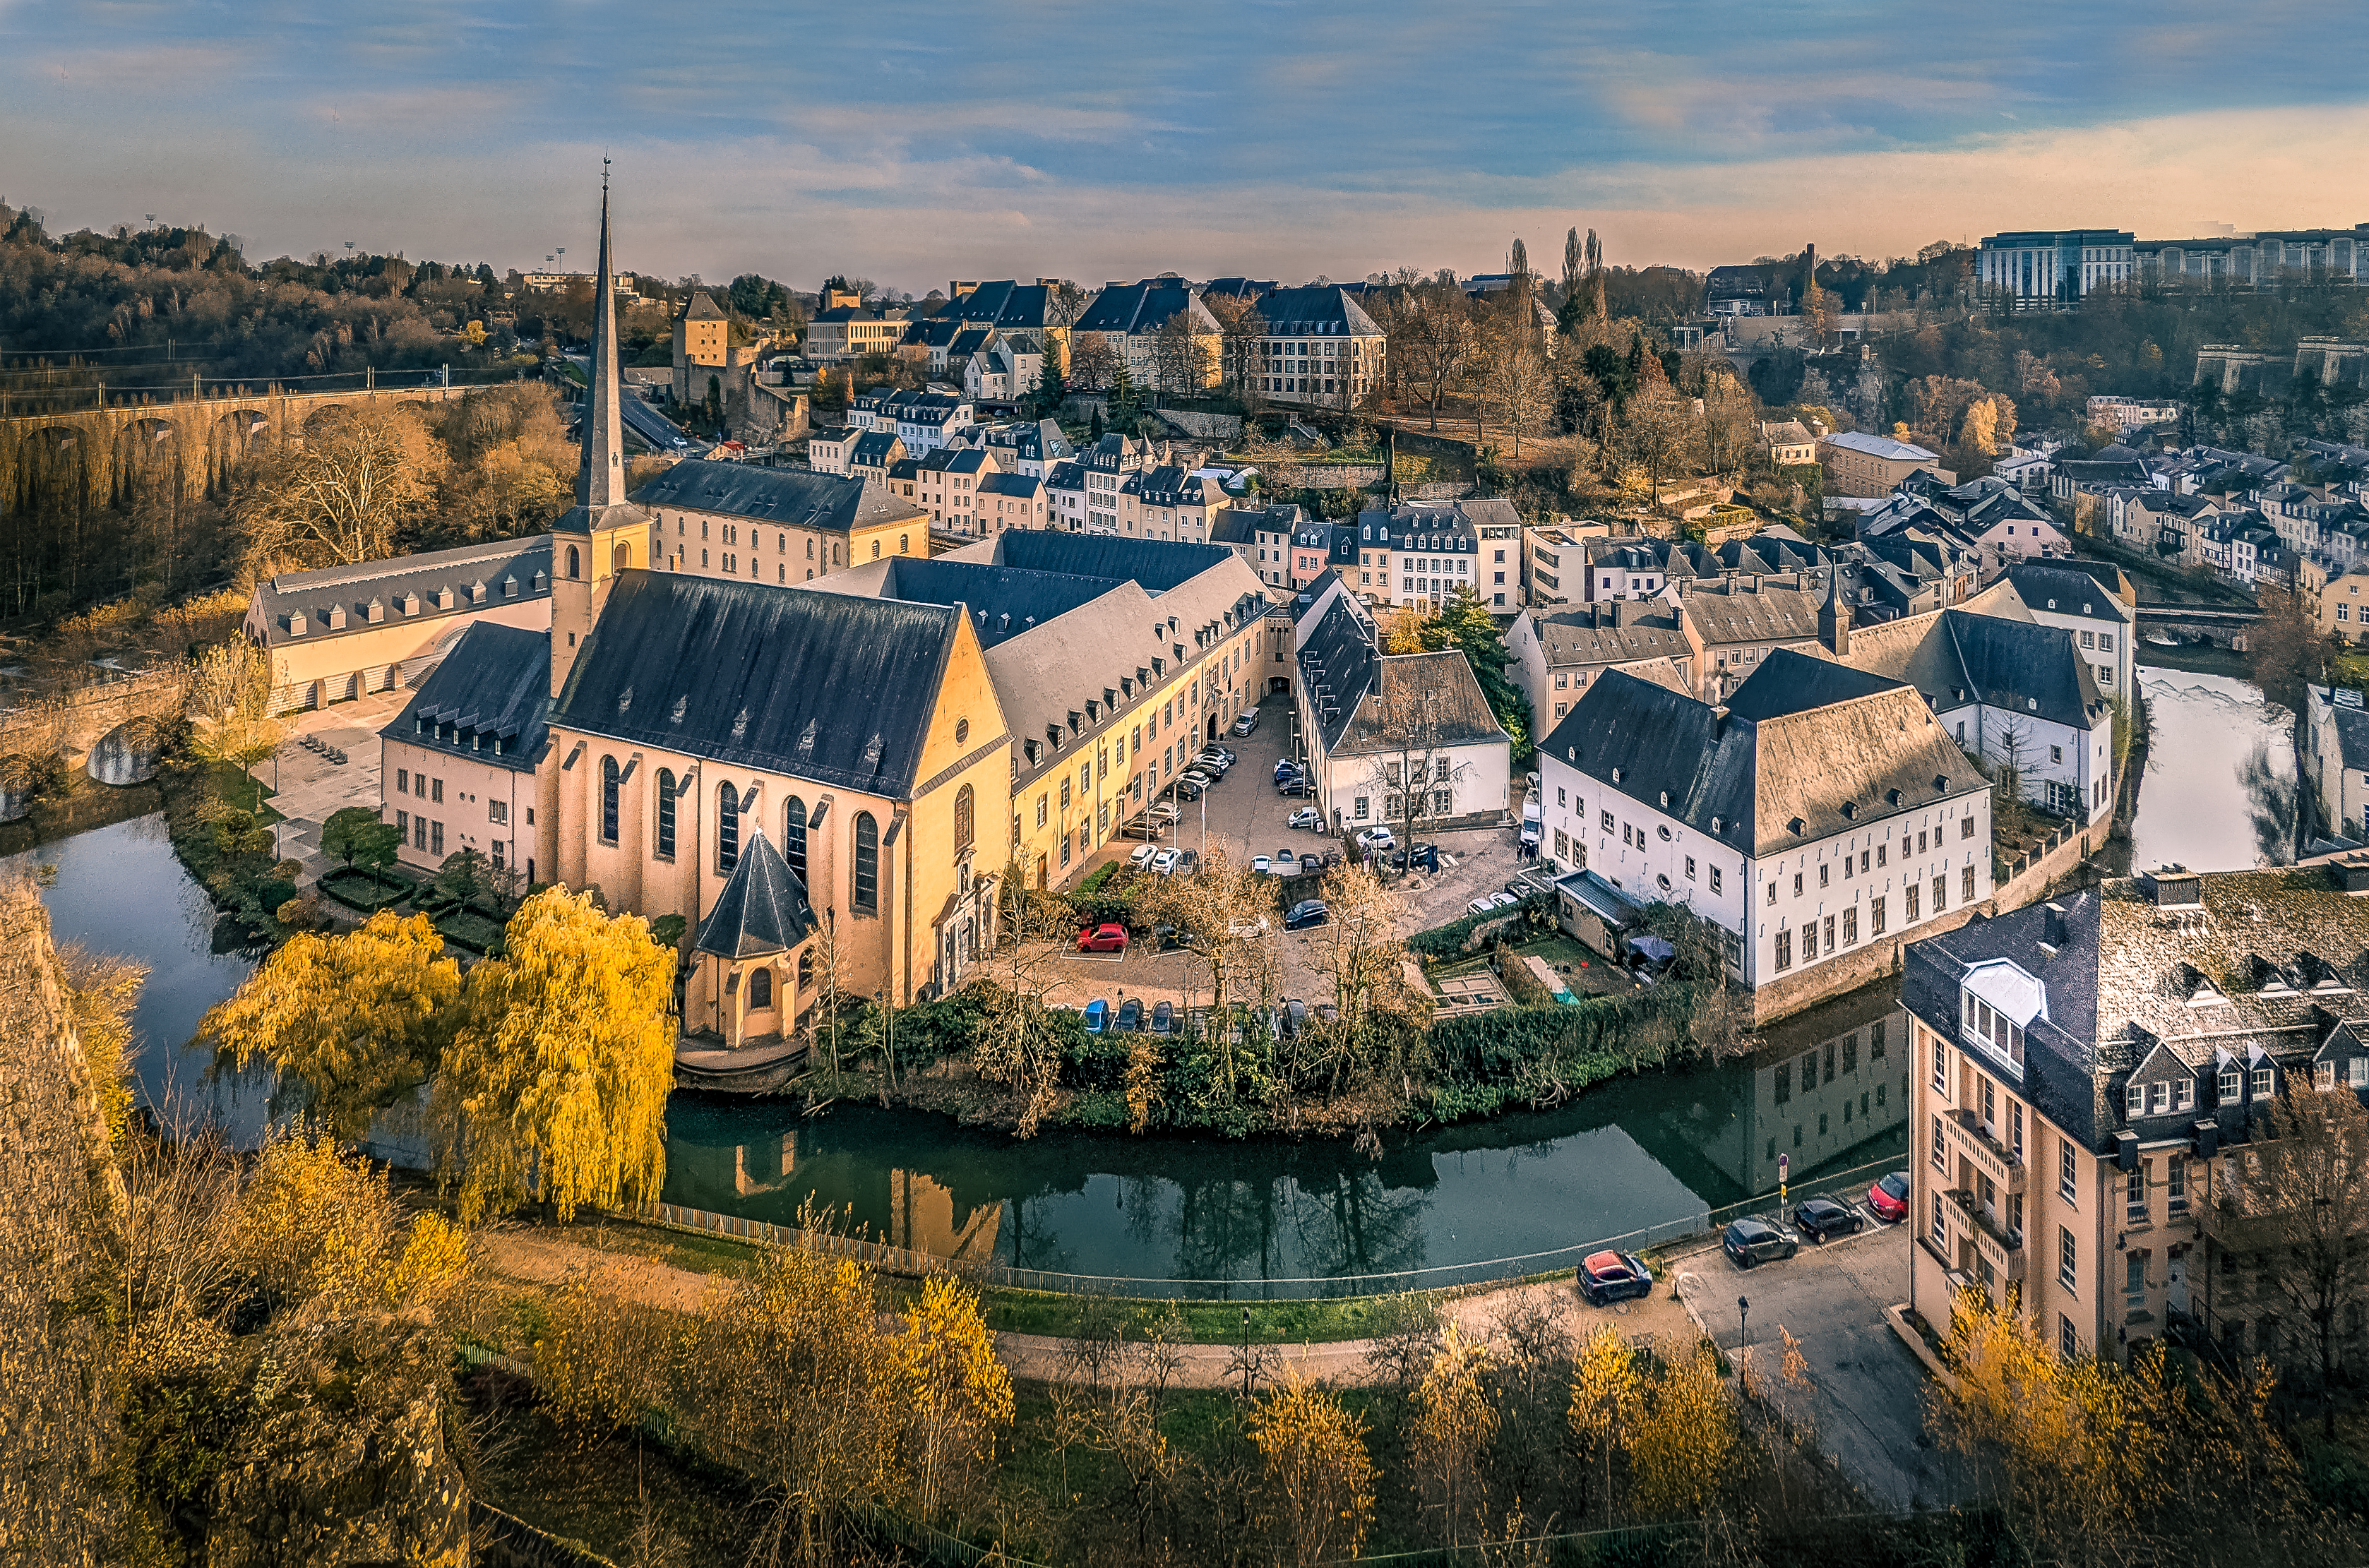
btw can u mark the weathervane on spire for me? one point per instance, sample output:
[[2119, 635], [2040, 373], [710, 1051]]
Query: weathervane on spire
[[605, 171]]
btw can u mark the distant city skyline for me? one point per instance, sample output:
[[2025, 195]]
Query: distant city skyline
[[1239, 138]]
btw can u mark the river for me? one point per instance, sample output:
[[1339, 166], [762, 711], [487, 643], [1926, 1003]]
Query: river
[[1631, 1155], [2219, 794]]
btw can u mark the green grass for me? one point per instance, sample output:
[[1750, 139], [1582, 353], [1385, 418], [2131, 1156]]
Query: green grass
[[242, 789]]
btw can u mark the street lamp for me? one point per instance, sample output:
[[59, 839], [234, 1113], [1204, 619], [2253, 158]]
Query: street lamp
[[1743, 1322]]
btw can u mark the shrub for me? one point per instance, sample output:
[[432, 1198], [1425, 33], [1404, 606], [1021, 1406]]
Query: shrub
[[365, 890], [1458, 935]]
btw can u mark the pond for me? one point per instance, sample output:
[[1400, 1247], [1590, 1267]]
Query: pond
[[121, 889], [1828, 1090], [2219, 793]]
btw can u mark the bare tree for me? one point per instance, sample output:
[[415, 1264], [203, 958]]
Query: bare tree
[[1358, 948], [1093, 362], [1658, 431], [1412, 772], [1435, 342], [1219, 912], [2302, 1195]]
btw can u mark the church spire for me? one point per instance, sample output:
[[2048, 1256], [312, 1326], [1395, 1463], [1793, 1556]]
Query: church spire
[[1835, 615], [600, 475]]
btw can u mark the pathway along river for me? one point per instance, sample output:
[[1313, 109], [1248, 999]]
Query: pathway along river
[[1633, 1154]]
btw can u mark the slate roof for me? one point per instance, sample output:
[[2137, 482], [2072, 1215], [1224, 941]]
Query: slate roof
[[1025, 485], [495, 682], [2066, 592], [824, 686], [2352, 736], [763, 907], [1144, 306], [1878, 751], [1883, 447], [1341, 660], [793, 497], [498, 564], [1158, 565], [1616, 633], [1788, 682], [2285, 952], [1322, 310], [872, 449], [1732, 614], [1004, 600], [702, 308], [1955, 657]]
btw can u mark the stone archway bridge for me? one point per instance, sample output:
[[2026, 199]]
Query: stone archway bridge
[[241, 410]]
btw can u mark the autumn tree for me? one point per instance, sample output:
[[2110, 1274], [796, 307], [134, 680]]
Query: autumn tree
[[1608, 1403], [1681, 1445], [1318, 1495], [353, 1023], [957, 1399], [2302, 1195], [360, 477], [1450, 1438], [1358, 948], [1218, 911], [554, 1087], [231, 721]]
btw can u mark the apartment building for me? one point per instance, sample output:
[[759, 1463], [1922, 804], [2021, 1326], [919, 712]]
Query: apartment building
[[1320, 349], [1862, 465], [2092, 1078]]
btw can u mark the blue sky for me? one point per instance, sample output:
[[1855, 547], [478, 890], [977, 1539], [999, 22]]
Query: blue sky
[[917, 143]]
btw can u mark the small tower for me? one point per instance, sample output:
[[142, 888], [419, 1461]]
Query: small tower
[[1834, 615], [602, 533]]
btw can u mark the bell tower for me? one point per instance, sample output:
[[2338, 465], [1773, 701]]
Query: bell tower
[[603, 533]]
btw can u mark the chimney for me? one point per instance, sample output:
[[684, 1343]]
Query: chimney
[[2176, 886], [2053, 931]]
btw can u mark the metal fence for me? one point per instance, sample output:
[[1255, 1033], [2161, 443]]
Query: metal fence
[[1849, 1185]]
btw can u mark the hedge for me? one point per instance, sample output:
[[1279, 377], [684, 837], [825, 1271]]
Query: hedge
[[1455, 938], [1494, 1044], [473, 929], [368, 891]]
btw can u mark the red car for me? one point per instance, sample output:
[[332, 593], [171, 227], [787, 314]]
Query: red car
[[1606, 1277], [1108, 937], [1889, 1197]]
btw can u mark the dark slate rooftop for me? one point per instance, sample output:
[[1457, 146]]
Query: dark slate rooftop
[[1342, 669], [824, 686], [1880, 754], [1319, 310], [1004, 601], [1159, 565], [508, 569], [794, 497], [496, 683], [762, 909], [2066, 590], [1791, 683]]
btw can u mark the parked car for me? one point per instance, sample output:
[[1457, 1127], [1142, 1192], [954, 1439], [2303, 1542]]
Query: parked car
[[1188, 790], [1140, 855], [1286, 769], [1305, 817], [1327, 1013], [1130, 1015], [1247, 722], [1246, 930], [1097, 1017], [1164, 863], [1194, 775], [1291, 1015], [1819, 1217], [1889, 1197], [1214, 764], [1310, 863], [1481, 906], [1606, 1277], [1218, 754], [1305, 913], [1521, 890], [1261, 865], [1750, 1241], [1163, 1018], [1159, 811], [1172, 937], [1295, 786], [1378, 839], [1188, 860], [1420, 857], [1287, 862], [1505, 901], [1332, 859], [1108, 937]]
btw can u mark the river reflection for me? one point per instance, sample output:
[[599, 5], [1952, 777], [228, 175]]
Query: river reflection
[[1827, 1089], [2219, 793], [119, 889]]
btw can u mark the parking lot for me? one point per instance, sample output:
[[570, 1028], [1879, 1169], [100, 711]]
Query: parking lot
[[1867, 1392], [1244, 816]]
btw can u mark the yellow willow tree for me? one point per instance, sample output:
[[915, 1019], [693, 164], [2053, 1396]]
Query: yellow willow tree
[[1320, 1480], [352, 1022], [554, 1089]]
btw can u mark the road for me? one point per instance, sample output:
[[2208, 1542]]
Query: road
[[1867, 1393]]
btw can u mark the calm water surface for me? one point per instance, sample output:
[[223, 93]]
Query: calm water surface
[[119, 889], [2220, 788], [1629, 1155]]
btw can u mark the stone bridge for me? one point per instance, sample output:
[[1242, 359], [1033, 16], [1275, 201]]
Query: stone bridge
[[2197, 623], [95, 453]]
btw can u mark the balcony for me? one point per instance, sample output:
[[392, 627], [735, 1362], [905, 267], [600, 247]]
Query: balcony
[[1985, 1154]]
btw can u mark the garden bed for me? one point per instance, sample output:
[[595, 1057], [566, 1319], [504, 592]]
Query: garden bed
[[368, 891], [472, 928]]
